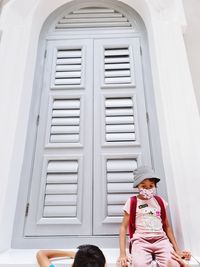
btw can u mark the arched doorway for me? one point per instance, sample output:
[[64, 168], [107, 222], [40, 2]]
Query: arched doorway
[[92, 123]]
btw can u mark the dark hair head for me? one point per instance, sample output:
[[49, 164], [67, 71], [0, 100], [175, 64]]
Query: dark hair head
[[89, 256]]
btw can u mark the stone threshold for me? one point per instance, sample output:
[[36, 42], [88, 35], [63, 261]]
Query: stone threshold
[[26, 258]]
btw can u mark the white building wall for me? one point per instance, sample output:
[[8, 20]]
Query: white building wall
[[192, 41], [178, 117]]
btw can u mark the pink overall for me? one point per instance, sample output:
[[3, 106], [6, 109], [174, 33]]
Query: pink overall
[[149, 241], [143, 249]]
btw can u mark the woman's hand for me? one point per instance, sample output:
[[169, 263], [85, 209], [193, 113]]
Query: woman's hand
[[178, 258], [186, 255], [123, 261]]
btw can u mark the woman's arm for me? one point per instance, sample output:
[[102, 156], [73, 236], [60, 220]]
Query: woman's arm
[[122, 240], [184, 254], [171, 237], [44, 256]]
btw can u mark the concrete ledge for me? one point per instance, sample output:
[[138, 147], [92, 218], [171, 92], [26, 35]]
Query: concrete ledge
[[26, 258]]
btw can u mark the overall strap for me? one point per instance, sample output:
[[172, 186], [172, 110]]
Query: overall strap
[[132, 216], [163, 212]]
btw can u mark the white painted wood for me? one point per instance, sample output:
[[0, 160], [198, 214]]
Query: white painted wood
[[124, 73], [119, 102], [120, 114], [65, 71], [116, 60], [93, 10], [65, 129], [121, 165], [66, 113], [71, 67], [90, 20], [124, 128], [117, 137], [93, 18], [94, 25], [58, 204], [115, 210], [122, 80], [116, 52], [62, 178], [68, 61], [120, 120], [116, 199], [67, 81], [59, 211], [65, 121], [69, 138], [69, 53], [66, 103], [92, 15], [119, 188], [71, 74], [117, 65], [61, 200], [62, 166], [120, 177], [61, 189], [119, 111]]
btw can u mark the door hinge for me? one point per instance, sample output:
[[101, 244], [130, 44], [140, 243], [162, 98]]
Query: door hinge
[[38, 119], [140, 51], [147, 117], [27, 209], [45, 53]]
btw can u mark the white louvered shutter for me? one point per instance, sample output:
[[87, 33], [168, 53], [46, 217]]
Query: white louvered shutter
[[68, 70], [119, 119], [65, 121], [93, 17], [60, 203], [121, 134]]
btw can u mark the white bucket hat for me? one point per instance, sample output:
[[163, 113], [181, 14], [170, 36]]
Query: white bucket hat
[[142, 173]]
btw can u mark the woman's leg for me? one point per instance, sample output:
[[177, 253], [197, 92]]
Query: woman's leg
[[162, 250], [141, 253]]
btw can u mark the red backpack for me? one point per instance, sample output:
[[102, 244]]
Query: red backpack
[[133, 206]]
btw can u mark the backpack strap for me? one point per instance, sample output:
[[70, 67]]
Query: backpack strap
[[163, 212], [132, 216]]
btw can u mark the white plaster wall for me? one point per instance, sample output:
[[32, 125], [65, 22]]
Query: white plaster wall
[[192, 41], [178, 117], [15, 25]]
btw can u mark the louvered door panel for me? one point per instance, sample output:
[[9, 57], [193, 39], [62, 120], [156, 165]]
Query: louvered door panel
[[118, 65], [121, 138], [59, 201], [61, 193], [68, 64], [65, 116], [119, 189], [119, 120]]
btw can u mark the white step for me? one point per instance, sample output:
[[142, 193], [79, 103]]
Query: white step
[[26, 258]]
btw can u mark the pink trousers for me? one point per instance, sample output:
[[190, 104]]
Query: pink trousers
[[144, 250]]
